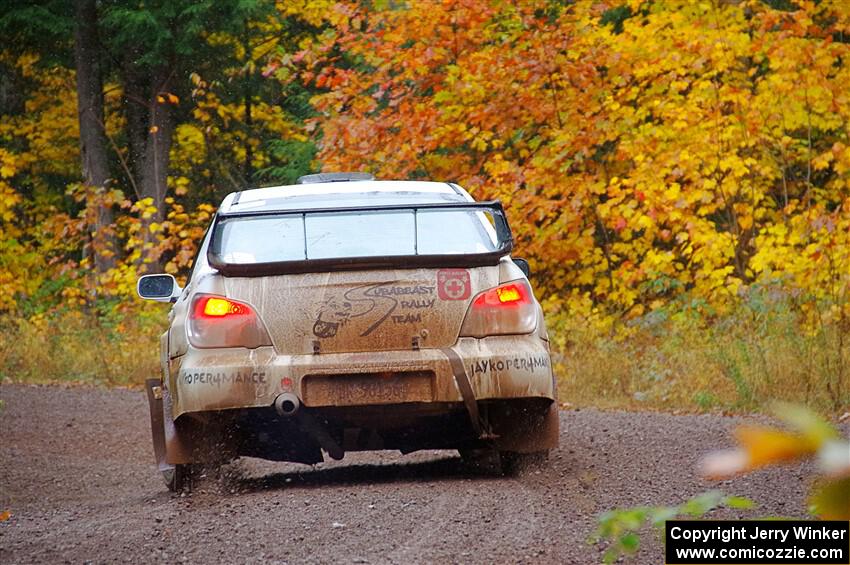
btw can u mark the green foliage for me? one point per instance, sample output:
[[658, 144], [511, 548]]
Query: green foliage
[[161, 30], [621, 528], [616, 17], [46, 25], [292, 159]]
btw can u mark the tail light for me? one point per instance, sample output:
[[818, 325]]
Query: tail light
[[215, 321], [506, 309]]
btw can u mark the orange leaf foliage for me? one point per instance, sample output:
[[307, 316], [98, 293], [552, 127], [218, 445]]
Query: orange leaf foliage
[[642, 150]]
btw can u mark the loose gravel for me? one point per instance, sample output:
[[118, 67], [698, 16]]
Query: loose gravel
[[77, 475]]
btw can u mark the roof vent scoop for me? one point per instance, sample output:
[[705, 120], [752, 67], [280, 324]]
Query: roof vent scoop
[[333, 177]]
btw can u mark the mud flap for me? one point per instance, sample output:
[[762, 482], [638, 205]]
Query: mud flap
[[168, 447], [480, 424], [154, 390]]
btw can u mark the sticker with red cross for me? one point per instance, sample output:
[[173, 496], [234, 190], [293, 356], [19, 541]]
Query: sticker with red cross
[[453, 284]]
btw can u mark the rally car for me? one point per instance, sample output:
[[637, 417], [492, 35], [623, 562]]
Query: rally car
[[346, 314]]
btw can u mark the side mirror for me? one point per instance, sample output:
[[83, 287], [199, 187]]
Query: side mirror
[[162, 288]]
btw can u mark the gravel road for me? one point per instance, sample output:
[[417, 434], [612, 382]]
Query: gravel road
[[77, 474]]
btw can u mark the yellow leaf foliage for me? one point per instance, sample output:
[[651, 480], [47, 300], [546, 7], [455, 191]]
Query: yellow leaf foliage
[[639, 159]]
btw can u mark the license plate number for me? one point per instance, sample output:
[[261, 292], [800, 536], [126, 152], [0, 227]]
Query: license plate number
[[374, 388]]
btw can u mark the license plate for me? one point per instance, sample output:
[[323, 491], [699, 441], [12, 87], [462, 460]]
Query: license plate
[[370, 388]]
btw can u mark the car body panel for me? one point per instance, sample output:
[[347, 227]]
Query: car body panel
[[351, 311], [497, 367]]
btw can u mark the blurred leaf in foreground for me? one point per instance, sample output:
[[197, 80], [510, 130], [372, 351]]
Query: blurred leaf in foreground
[[809, 437]]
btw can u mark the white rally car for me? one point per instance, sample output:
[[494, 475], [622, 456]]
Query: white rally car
[[347, 314]]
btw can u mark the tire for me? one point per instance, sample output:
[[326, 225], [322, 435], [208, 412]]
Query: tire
[[181, 477], [184, 477]]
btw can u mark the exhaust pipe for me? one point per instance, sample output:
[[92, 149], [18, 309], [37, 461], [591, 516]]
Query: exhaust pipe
[[287, 404]]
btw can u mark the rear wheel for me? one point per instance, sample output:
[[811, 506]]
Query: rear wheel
[[180, 477], [184, 476]]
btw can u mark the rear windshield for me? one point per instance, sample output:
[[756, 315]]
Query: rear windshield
[[267, 239]]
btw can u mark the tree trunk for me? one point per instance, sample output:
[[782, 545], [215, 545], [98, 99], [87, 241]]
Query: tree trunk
[[136, 99], [154, 170], [93, 141], [11, 90], [248, 171]]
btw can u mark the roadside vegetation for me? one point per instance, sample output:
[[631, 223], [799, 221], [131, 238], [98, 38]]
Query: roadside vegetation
[[670, 360], [804, 436], [677, 173], [684, 356], [74, 346]]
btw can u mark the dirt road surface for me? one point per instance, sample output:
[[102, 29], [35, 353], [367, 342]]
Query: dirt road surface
[[77, 474]]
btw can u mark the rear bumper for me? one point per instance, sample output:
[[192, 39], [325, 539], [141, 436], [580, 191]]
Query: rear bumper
[[503, 367]]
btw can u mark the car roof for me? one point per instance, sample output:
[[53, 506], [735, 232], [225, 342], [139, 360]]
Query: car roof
[[342, 194]]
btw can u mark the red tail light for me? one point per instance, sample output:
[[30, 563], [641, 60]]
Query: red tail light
[[216, 321], [506, 295], [506, 309], [216, 307]]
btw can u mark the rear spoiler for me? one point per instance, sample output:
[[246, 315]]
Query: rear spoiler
[[494, 208]]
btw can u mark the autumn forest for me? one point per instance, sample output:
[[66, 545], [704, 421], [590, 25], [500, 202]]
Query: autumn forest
[[676, 172]]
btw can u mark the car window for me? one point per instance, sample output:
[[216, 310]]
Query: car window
[[297, 237], [450, 232], [362, 234], [262, 239]]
